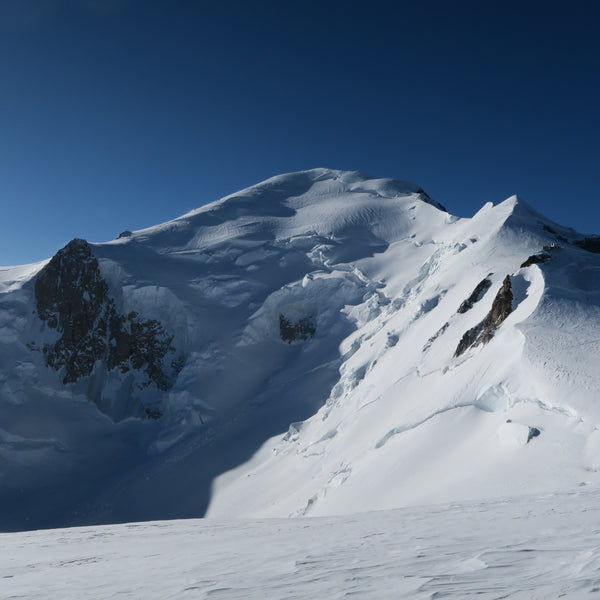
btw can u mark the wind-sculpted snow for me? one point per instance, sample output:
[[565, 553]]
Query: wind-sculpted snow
[[325, 304], [542, 547]]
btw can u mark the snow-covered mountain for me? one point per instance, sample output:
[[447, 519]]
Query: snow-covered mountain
[[321, 343]]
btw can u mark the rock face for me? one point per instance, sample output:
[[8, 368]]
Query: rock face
[[536, 259], [590, 243], [484, 331], [533, 433], [73, 298], [477, 294], [302, 329]]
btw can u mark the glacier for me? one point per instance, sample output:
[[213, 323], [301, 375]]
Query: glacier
[[314, 321]]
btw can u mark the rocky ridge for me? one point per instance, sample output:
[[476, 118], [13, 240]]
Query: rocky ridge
[[483, 332]]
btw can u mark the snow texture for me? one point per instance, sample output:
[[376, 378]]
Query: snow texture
[[542, 547], [360, 405]]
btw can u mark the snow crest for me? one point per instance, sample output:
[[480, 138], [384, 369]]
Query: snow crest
[[328, 305]]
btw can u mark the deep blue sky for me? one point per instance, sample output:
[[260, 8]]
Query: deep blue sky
[[120, 114]]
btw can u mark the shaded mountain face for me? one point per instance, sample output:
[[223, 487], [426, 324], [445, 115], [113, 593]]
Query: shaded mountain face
[[322, 342]]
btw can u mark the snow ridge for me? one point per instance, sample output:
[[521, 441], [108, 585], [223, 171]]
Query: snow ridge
[[328, 305]]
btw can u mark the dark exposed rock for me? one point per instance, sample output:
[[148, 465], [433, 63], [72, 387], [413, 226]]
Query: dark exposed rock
[[124, 234], [435, 336], [484, 331], [477, 294], [152, 413], [533, 433], [302, 329], [392, 339], [590, 243], [536, 259], [428, 199], [72, 297], [140, 345]]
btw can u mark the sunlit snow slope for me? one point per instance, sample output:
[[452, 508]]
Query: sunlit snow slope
[[321, 343], [522, 548]]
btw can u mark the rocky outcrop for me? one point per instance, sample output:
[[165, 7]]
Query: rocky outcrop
[[435, 336], [476, 295], [427, 198], [291, 331], [590, 243], [484, 331], [536, 259], [73, 298]]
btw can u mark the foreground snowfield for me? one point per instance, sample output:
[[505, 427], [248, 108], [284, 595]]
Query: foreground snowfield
[[534, 547]]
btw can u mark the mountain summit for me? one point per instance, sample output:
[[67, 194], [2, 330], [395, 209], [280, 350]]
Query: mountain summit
[[323, 342]]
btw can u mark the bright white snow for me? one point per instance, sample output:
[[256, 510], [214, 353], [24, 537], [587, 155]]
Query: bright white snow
[[374, 412], [532, 547]]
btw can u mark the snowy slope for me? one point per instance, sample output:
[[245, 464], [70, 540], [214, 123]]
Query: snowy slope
[[520, 548], [316, 321]]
